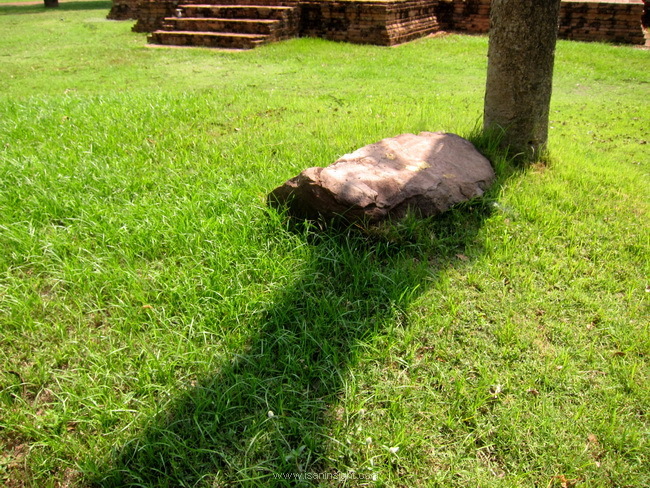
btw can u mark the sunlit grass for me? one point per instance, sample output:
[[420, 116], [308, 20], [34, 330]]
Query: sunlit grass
[[153, 311]]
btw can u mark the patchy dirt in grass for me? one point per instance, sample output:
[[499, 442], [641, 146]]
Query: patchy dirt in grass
[[13, 470]]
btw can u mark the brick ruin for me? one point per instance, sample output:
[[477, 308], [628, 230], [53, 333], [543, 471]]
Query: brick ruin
[[618, 21], [247, 23], [614, 21]]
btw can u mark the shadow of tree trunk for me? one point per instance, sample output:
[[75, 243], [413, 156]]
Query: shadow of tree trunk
[[268, 411]]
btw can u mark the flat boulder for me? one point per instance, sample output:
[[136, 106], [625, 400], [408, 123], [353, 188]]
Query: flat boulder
[[426, 173]]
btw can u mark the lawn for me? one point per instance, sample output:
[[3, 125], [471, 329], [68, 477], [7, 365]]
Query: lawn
[[160, 326]]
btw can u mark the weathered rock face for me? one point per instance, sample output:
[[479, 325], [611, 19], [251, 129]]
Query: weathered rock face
[[428, 173]]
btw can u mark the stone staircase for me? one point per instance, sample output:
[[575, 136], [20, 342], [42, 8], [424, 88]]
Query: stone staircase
[[229, 26]]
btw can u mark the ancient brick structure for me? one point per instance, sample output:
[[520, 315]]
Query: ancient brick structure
[[152, 13], [242, 26], [613, 21], [124, 10], [580, 20], [471, 16], [247, 23], [376, 22]]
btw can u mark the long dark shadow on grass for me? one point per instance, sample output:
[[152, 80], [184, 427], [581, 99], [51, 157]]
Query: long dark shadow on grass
[[268, 411]]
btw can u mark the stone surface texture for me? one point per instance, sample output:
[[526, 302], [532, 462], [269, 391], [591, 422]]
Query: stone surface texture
[[427, 173]]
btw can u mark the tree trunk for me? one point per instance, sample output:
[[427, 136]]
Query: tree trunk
[[520, 72], [51, 3]]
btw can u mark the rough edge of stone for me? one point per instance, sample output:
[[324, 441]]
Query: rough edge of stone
[[290, 196]]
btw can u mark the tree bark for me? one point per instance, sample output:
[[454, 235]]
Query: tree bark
[[51, 3], [521, 53]]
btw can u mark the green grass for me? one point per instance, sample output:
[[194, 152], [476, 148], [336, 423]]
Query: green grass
[[153, 311]]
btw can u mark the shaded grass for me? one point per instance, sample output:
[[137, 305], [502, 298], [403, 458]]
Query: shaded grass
[[30, 7], [153, 311]]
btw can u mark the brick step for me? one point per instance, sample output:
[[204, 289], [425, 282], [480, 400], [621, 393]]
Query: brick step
[[256, 3], [235, 11], [414, 31], [235, 26], [224, 40]]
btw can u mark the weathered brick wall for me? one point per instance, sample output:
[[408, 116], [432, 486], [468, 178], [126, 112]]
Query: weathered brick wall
[[151, 13], [386, 22], [383, 23], [471, 16], [123, 10], [596, 21], [611, 20]]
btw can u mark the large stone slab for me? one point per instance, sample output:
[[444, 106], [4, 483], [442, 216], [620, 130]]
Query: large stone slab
[[428, 173]]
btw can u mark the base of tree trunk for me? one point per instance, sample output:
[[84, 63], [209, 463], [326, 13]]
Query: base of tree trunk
[[51, 3]]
